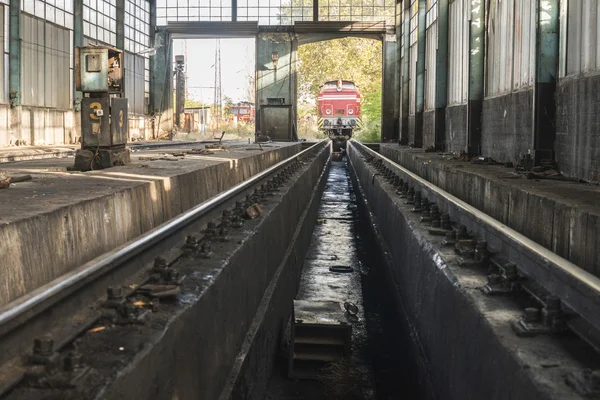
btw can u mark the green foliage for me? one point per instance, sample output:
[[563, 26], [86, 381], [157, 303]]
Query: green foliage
[[191, 103], [353, 59], [371, 105], [370, 132]]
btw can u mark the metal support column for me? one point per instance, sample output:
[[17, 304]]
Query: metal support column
[[77, 42], [476, 76], [420, 92], [389, 104], [234, 7], [120, 5], [405, 74], [161, 82], [316, 10], [544, 106], [15, 53], [441, 78]]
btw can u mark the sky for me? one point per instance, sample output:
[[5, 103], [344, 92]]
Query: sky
[[237, 61]]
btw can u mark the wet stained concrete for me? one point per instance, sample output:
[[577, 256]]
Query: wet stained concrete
[[381, 366]]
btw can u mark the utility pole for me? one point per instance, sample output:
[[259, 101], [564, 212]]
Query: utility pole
[[218, 100], [185, 55], [180, 89]]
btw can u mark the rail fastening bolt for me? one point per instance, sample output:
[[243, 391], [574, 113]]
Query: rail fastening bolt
[[191, 240], [114, 293], [552, 303], [160, 262], [510, 271], [43, 346], [532, 314], [72, 361]]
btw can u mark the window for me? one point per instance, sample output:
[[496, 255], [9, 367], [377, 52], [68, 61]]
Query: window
[[100, 21], [137, 40], [47, 55], [59, 12], [275, 12], [193, 10]]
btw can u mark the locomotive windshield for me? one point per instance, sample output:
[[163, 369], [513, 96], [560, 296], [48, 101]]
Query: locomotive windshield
[[333, 85]]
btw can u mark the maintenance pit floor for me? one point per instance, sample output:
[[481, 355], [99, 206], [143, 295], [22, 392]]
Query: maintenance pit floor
[[61, 219], [380, 366]]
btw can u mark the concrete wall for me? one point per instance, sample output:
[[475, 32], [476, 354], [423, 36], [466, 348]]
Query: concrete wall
[[141, 128], [578, 127], [465, 347], [39, 249], [456, 128], [192, 356], [411, 129], [37, 125], [429, 128], [41, 126], [507, 126]]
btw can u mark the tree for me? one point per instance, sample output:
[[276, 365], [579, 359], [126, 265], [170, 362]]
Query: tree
[[228, 103], [192, 103]]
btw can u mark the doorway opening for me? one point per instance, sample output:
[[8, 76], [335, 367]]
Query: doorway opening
[[347, 60], [214, 88]]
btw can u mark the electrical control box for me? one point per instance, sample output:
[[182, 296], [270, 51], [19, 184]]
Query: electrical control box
[[99, 75], [99, 69]]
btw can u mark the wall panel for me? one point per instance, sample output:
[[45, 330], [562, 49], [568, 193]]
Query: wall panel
[[431, 47], [581, 30], [458, 53], [500, 39]]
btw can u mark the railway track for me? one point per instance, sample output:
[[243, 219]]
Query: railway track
[[36, 329], [566, 297]]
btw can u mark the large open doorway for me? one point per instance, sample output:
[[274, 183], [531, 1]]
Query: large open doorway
[[352, 59], [214, 88]]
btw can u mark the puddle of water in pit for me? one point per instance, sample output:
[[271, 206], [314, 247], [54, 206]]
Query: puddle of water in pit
[[381, 366]]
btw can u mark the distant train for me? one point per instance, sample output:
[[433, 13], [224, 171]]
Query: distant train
[[243, 111], [339, 110]]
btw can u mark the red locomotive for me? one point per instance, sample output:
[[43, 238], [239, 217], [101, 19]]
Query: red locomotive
[[339, 109], [244, 111]]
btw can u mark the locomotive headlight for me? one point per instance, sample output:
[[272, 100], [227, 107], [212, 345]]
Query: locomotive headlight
[[328, 111], [350, 111], [352, 122], [326, 122]]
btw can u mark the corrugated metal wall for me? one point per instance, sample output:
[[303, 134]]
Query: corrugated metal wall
[[511, 46], [524, 46], [582, 33], [500, 47], [431, 46], [135, 83], [46, 63], [458, 49], [414, 55]]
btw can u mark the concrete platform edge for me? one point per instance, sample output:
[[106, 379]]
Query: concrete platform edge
[[465, 353], [46, 246], [571, 232]]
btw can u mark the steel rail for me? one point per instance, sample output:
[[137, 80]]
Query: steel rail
[[48, 294], [578, 289]]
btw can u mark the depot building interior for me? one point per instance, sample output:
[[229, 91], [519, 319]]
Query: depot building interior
[[458, 254]]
